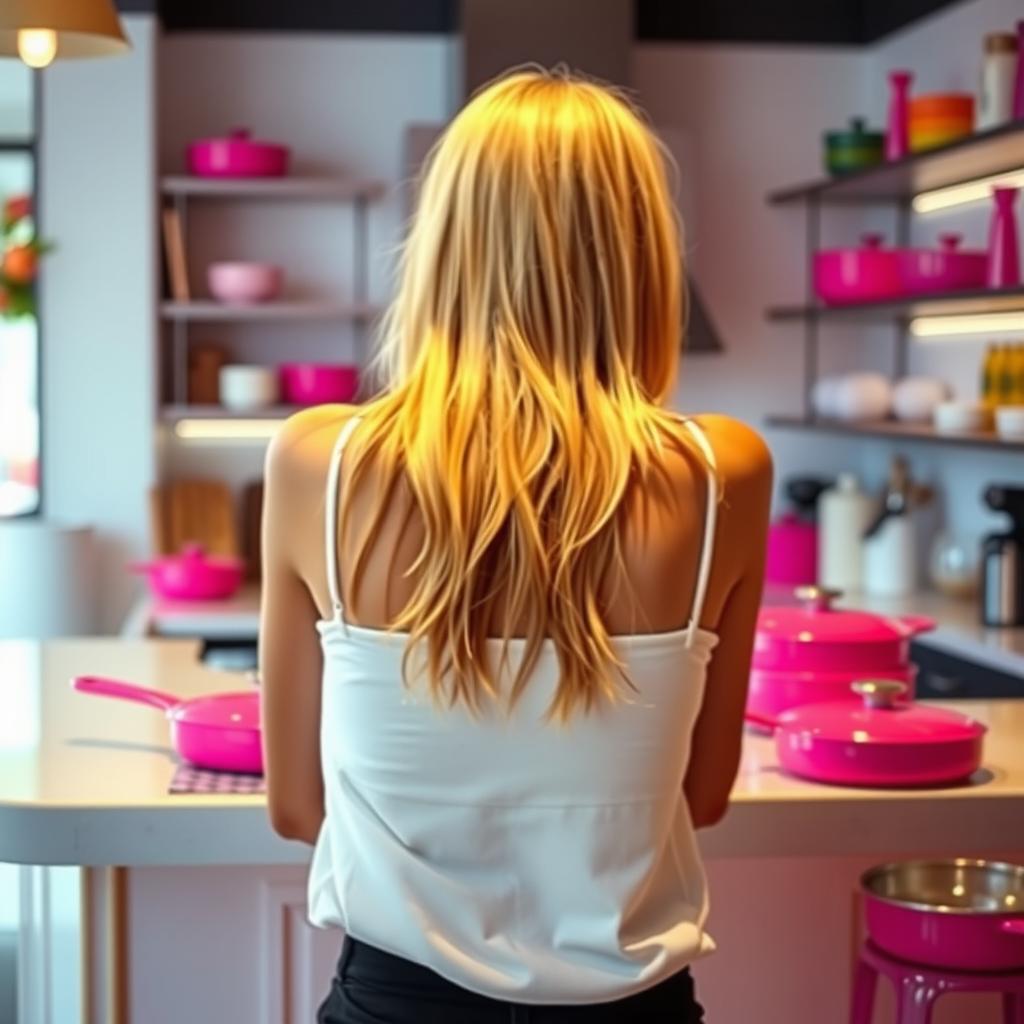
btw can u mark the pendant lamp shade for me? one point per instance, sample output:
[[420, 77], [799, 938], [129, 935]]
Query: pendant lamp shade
[[43, 30]]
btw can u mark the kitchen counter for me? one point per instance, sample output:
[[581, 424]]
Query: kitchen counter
[[83, 780]]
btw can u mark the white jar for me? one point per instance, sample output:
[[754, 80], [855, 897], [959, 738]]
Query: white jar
[[890, 558], [843, 514], [998, 72], [247, 387]]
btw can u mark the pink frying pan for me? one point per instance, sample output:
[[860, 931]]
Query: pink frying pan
[[220, 731]]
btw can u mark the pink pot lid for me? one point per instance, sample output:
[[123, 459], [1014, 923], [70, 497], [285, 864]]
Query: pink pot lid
[[195, 556], [239, 710], [881, 719], [813, 635]]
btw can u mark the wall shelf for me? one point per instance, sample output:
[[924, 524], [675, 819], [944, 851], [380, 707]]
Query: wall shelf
[[980, 155], [894, 430], [270, 311], [177, 413], [982, 300], [334, 189]]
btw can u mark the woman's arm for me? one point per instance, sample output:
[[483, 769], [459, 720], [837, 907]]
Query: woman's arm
[[746, 468], [290, 660]]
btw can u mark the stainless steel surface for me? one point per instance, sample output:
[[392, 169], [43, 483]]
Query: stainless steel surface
[[1002, 592], [957, 886]]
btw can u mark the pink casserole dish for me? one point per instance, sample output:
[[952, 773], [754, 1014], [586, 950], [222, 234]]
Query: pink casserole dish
[[869, 273], [947, 268], [237, 156]]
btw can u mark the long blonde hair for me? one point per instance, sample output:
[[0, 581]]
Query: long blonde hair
[[535, 331]]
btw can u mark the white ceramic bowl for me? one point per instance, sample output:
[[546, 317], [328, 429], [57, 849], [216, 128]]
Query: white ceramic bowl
[[862, 396], [248, 387], [914, 398], [1010, 421], [243, 283], [961, 417]]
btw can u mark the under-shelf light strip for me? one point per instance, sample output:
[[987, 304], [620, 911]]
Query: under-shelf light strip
[[974, 323], [226, 430], [966, 192]]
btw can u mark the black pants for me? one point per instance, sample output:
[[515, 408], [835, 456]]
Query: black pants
[[374, 987]]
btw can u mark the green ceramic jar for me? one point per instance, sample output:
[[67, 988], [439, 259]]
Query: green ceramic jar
[[853, 148]]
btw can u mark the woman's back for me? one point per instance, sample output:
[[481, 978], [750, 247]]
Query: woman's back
[[520, 565]]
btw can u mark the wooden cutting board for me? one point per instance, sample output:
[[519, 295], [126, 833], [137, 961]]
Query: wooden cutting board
[[194, 512], [252, 518]]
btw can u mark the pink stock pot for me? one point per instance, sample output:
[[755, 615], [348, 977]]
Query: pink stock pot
[[962, 914], [882, 741], [810, 652]]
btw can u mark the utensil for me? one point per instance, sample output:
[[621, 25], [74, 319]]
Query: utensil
[[240, 282], [237, 155], [248, 387], [1003, 255], [961, 417], [958, 913], [1002, 561], [883, 741], [193, 575], [853, 148], [897, 139], [947, 268], [220, 731], [318, 383], [810, 652], [869, 273]]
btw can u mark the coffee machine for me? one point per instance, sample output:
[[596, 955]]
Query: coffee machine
[[1002, 561]]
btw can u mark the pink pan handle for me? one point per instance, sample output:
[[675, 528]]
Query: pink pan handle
[[103, 687], [764, 721], [1015, 926]]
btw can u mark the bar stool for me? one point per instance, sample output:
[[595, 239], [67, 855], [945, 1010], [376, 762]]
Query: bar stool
[[917, 988]]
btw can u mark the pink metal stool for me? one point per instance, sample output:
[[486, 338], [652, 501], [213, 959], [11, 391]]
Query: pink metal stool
[[917, 988]]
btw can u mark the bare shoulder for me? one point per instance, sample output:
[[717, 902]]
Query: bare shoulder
[[740, 451], [300, 450]]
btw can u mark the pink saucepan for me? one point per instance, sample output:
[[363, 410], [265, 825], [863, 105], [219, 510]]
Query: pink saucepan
[[810, 652], [961, 914], [220, 731], [883, 741], [193, 575]]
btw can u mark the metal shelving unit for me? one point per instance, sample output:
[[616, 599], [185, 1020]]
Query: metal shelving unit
[[895, 184], [894, 430]]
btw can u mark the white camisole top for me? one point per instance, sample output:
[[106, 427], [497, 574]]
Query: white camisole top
[[526, 861]]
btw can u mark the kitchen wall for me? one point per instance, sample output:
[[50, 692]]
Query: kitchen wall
[[97, 302]]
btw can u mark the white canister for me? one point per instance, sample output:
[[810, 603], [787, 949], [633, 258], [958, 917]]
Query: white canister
[[245, 387], [890, 558], [843, 514], [998, 73]]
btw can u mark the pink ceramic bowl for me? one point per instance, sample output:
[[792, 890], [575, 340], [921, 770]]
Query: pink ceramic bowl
[[318, 383], [241, 283], [237, 156]]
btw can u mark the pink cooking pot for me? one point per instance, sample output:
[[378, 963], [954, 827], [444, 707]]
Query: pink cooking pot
[[220, 731], [869, 273], [810, 652], [884, 741], [237, 156], [962, 914], [193, 575], [947, 268], [318, 383]]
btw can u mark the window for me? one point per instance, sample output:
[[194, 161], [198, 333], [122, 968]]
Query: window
[[19, 334]]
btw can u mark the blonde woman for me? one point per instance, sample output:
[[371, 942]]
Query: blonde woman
[[535, 591]]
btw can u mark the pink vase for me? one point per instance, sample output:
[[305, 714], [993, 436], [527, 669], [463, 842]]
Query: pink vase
[[897, 128], [1018, 85], [1003, 255]]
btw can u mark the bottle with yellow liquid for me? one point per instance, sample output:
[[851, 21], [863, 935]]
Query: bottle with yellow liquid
[[1018, 375], [990, 375], [1006, 377]]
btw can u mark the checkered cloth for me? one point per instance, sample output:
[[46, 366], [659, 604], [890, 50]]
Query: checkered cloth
[[187, 779]]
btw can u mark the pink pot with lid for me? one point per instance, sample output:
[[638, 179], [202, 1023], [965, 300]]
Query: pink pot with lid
[[811, 652], [879, 740]]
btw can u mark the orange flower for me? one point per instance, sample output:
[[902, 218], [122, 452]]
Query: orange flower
[[19, 264]]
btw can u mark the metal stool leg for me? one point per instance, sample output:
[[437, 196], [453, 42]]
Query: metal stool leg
[[1013, 1008], [862, 1005]]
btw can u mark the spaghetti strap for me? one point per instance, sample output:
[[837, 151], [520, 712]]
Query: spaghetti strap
[[331, 519], [708, 539]]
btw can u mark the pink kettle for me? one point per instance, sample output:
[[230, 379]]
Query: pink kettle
[[793, 538]]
